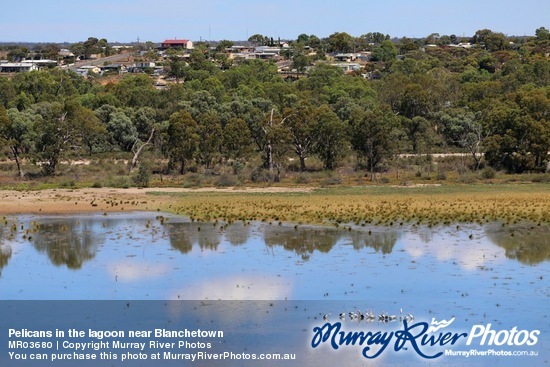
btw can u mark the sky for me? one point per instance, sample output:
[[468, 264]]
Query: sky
[[157, 20]]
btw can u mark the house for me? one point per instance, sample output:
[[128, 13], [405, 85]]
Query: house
[[116, 68], [85, 70], [65, 53], [144, 64], [348, 67], [242, 49], [266, 52], [119, 48], [17, 67], [462, 45], [175, 43], [267, 49], [364, 56], [238, 56], [345, 57], [265, 55], [42, 63]]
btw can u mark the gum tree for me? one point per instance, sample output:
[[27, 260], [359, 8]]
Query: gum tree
[[15, 133]]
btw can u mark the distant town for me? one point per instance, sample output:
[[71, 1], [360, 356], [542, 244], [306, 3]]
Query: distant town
[[292, 57], [265, 109]]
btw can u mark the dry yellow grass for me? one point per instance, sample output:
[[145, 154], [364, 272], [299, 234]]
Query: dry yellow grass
[[388, 206]]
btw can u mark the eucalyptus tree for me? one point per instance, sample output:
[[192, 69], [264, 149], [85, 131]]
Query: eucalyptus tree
[[521, 132], [177, 68], [386, 52], [330, 134], [182, 139], [210, 133], [237, 142], [340, 42], [123, 132], [301, 124], [59, 132], [7, 92], [371, 135], [145, 121], [464, 128], [93, 133], [16, 133]]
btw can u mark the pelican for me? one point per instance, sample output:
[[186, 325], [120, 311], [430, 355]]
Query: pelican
[[369, 315]]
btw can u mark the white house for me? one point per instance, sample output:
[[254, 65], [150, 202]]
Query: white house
[[17, 67]]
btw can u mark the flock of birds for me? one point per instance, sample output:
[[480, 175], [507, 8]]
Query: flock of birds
[[369, 316]]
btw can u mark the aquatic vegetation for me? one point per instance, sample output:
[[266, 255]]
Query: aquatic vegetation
[[360, 206]]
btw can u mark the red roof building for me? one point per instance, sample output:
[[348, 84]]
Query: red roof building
[[175, 43]]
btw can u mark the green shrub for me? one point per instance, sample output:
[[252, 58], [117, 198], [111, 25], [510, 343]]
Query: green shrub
[[238, 167], [143, 176], [226, 180], [121, 183], [260, 175], [488, 173], [542, 178], [302, 178], [332, 181], [193, 180], [69, 183], [467, 179]]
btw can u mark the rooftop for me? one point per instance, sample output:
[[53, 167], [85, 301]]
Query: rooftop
[[175, 41]]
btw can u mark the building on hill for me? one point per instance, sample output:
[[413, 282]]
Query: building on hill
[[175, 43]]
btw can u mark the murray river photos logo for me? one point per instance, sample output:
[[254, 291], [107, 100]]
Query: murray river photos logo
[[428, 340]]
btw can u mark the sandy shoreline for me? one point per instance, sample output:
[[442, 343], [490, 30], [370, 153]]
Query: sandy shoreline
[[63, 201]]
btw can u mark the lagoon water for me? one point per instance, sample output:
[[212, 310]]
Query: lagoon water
[[477, 274]]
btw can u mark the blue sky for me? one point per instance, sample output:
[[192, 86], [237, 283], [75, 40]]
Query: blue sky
[[156, 20]]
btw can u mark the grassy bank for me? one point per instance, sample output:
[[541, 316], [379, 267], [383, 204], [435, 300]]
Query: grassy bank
[[431, 205], [336, 205]]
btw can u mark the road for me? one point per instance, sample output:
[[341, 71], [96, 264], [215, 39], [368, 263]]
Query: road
[[100, 62]]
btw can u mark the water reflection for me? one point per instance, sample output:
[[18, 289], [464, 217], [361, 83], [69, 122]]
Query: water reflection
[[184, 235], [5, 249], [301, 241], [74, 241], [135, 271], [305, 241], [237, 234], [382, 241], [471, 272], [69, 242], [523, 242], [5, 254]]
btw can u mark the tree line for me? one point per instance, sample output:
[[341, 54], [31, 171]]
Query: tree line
[[489, 101]]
